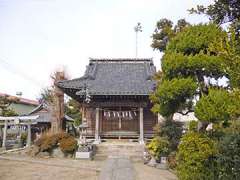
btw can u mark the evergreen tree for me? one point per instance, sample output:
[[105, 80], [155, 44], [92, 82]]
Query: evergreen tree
[[5, 102], [186, 64], [221, 11], [165, 31]]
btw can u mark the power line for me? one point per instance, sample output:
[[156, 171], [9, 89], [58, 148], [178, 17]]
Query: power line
[[17, 72]]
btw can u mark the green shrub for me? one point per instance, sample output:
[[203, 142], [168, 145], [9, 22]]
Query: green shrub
[[172, 95], [214, 107], [193, 156], [158, 147], [193, 126], [68, 145], [77, 122], [172, 162], [228, 159], [23, 138], [172, 130]]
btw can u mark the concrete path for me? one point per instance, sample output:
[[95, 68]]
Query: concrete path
[[117, 168], [122, 168]]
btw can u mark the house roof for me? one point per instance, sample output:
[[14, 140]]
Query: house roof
[[44, 111], [114, 77], [21, 100]]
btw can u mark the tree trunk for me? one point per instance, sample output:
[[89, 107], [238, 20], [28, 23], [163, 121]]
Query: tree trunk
[[58, 105]]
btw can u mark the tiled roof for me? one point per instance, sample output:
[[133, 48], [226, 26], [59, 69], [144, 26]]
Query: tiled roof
[[114, 77], [44, 111], [22, 100]]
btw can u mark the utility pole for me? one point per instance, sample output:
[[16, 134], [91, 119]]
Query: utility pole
[[137, 28]]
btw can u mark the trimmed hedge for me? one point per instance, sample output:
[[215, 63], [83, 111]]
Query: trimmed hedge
[[228, 159], [158, 147], [194, 157]]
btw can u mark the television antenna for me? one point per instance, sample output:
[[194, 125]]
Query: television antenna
[[137, 29]]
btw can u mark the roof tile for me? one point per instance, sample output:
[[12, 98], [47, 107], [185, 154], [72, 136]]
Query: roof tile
[[115, 77]]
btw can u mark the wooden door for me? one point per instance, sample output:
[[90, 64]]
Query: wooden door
[[120, 122], [130, 124]]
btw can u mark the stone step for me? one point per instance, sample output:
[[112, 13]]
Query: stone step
[[133, 151], [120, 146], [117, 153], [118, 150], [132, 158]]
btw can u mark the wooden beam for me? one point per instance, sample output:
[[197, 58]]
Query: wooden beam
[[97, 138], [118, 103]]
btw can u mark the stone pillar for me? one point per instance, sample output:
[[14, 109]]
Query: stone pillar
[[141, 136], [160, 118], [29, 135], [97, 138], [4, 135], [1, 130]]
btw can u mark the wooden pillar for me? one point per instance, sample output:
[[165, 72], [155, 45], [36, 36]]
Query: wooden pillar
[[83, 112], [141, 136], [97, 138], [4, 134], [29, 135]]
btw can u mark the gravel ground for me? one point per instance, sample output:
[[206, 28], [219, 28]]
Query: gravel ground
[[16, 167], [145, 172]]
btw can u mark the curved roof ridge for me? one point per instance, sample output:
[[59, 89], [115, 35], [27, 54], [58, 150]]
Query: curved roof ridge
[[100, 60], [114, 76]]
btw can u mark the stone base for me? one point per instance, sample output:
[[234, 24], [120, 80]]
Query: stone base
[[33, 151], [2, 149], [84, 155], [44, 154], [141, 142], [152, 162], [56, 152], [97, 141], [161, 166]]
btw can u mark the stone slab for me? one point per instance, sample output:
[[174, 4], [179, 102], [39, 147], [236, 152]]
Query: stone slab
[[117, 168], [83, 155]]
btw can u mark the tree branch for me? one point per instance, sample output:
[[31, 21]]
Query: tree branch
[[185, 113]]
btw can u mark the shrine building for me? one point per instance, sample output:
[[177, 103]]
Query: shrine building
[[114, 97]]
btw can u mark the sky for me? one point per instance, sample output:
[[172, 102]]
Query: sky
[[38, 37]]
